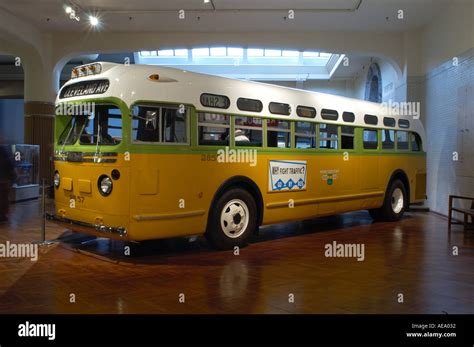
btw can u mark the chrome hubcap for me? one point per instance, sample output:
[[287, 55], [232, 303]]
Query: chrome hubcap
[[397, 200], [234, 218]]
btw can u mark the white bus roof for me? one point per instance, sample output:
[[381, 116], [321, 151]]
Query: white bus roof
[[132, 84]]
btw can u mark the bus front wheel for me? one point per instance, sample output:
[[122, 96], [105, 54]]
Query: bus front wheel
[[232, 219], [394, 204]]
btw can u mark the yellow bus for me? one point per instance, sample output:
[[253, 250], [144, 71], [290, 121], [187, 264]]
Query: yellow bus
[[146, 152]]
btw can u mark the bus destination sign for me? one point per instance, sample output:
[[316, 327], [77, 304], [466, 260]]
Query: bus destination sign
[[85, 88]]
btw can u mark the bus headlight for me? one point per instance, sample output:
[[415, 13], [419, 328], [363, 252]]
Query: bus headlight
[[56, 179], [105, 185]]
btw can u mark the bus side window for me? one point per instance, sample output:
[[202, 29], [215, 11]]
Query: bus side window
[[347, 137], [160, 124], [370, 139], [278, 133], [388, 139], [248, 131], [402, 140], [213, 129], [328, 136], [145, 124], [415, 142], [174, 124], [305, 135], [111, 127]]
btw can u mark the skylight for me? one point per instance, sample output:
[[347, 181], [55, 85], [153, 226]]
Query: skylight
[[290, 53], [218, 51], [181, 52], [311, 54], [273, 53], [255, 52], [166, 53], [239, 62], [200, 52], [235, 52]]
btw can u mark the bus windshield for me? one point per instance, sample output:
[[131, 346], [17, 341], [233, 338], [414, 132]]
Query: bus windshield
[[103, 126]]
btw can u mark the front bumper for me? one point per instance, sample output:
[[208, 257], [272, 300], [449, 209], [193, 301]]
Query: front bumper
[[87, 227]]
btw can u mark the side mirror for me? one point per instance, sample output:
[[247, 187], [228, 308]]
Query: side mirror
[[135, 111]]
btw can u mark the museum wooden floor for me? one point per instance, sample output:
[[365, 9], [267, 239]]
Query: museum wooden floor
[[412, 257]]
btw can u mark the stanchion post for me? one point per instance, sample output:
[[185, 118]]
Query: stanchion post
[[43, 212], [43, 241]]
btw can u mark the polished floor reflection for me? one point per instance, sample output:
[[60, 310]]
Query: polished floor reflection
[[283, 270]]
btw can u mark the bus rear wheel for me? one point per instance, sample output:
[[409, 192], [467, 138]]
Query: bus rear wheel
[[232, 219], [394, 204]]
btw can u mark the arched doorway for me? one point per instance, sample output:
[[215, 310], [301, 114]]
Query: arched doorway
[[373, 86]]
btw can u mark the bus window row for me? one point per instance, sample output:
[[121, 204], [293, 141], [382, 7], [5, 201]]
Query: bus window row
[[214, 130], [283, 109], [169, 124]]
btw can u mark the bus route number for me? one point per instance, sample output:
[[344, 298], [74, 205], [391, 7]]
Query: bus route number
[[208, 157], [79, 199], [212, 100]]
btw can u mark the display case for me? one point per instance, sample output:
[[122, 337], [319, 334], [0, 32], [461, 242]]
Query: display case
[[26, 162]]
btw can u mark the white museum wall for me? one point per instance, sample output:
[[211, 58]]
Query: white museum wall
[[448, 94]]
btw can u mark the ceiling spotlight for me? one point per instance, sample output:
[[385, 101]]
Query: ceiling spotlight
[[71, 12], [207, 1], [93, 20]]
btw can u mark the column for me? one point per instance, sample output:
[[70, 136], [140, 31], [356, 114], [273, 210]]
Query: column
[[39, 114]]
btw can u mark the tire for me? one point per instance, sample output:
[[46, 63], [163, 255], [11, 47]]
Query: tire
[[232, 219], [394, 205]]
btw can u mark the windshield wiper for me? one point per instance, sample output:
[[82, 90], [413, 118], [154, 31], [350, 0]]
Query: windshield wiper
[[67, 137], [67, 140]]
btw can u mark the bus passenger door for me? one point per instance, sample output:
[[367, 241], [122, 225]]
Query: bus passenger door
[[369, 165], [370, 170], [338, 171], [348, 180]]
